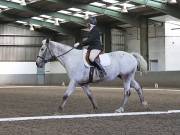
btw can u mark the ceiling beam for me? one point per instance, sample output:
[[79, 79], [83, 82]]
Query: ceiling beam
[[133, 20], [51, 26], [69, 18], [123, 17], [126, 18], [72, 2], [65, 3], [17, 6], [37, 12], [162, 7]]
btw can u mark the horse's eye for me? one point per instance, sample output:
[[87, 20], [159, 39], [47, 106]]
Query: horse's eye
[[42, 49]]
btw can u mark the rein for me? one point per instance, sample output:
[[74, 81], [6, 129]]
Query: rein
[[54, 56], [65, 52]]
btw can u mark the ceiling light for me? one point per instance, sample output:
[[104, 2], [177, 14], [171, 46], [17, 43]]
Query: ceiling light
[[124, 9], [90, 13], [86, 16], [98, 4], [36, 26], [65, 12], [37, 18], [22, 22], [111, 1], [3, 7], [31, 27], [128, 5], [75, 9], [50, 21], [172, 1], [46, 16], [79, 15], [56, 22], [61, 20], [23, 3]]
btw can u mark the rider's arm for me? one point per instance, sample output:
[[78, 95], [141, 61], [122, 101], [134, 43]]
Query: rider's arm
[[91, 38]]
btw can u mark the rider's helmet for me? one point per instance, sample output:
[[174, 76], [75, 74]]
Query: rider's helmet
[[91, 20]]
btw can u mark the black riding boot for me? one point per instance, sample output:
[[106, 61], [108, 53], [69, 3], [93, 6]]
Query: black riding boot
[[97, 64]]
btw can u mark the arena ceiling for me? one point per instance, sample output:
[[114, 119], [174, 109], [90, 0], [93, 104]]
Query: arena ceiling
[[65, 16]]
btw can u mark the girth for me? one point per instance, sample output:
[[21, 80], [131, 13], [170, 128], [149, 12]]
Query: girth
[[91, 71]]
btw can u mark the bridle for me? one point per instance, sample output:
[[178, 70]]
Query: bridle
[[53, 57]]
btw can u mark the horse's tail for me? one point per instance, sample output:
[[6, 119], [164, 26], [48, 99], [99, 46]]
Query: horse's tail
[[142, 64]]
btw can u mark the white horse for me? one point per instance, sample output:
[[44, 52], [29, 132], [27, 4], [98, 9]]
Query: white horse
[[123, 65]]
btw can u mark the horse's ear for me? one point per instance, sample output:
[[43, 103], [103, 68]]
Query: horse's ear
[[47, 41]]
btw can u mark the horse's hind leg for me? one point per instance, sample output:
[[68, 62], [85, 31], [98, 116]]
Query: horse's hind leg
[[89, 93], [69, 91], [139, 90], [127, 92]]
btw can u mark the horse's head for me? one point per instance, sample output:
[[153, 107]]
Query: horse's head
[[45, 54]]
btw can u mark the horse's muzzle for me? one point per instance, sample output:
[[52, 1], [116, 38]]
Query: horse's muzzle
[[38, 65]]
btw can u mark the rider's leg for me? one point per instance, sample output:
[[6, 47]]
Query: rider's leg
[[96, 62], [99, 66], [93, 54]]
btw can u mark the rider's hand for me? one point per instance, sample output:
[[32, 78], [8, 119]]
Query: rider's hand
[[76, 44]]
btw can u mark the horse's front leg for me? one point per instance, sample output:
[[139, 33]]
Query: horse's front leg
[[71, 88], [89, 93]]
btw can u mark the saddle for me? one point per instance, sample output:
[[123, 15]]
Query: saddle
[[93, 72], [103, 57]]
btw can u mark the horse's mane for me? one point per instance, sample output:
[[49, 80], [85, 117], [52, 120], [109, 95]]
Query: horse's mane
[[62, 44]]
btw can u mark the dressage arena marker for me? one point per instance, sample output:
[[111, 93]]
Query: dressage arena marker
[[87, 116]]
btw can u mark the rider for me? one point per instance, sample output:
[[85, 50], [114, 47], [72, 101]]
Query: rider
[[94, 44]]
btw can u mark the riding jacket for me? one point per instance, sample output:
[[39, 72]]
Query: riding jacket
[[93, 40]]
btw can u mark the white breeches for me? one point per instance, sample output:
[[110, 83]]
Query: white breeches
[[93, 54]]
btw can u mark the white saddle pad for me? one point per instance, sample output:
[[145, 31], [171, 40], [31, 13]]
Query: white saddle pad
[[104, 59]]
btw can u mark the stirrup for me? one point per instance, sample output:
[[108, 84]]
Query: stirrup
[[101, 74]]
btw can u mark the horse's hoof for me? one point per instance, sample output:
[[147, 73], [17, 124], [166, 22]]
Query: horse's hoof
[[128, 92], [57, 113], [148, 109], [144, 103], [60, 109], [120, 110], [146, 106], [95, 109]]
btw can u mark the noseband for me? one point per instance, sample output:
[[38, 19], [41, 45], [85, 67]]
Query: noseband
[[45, 61]]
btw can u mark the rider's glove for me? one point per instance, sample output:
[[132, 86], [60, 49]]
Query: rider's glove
[[76, 44]]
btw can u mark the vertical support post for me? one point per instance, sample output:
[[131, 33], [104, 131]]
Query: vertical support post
[[125, 41], [40, 76], [77, 36], [144, 48], [107, 39]]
